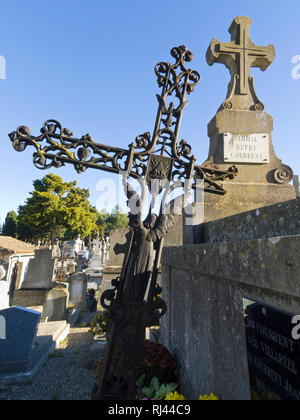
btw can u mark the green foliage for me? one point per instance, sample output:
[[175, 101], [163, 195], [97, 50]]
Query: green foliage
[[109, 222], [10, 225], [154, 390], [99, 325], [57, 210]]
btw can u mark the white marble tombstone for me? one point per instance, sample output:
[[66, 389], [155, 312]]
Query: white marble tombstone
[[4, 289]]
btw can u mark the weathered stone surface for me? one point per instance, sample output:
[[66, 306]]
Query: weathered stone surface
[[117, 247], [56, 303], [40, 270], [242, 123], [29, 298], [297, 185], [243, 197], [239, 56], [204, 286], [109, 274], [242, 114], [272, 221], [78, 289]]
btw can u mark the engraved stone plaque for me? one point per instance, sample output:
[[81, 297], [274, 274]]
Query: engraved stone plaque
[[252, 148]]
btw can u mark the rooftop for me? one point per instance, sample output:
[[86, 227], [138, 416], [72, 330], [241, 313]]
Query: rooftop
[[16, 246]]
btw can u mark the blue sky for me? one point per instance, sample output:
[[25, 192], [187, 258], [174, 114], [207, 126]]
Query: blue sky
[[89, 64]]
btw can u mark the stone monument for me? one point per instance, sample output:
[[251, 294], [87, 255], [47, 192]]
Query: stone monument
[[113, 264], [241, 131], [39, 279], [55, 305], [94, 268], [78, 290], [297, 185]]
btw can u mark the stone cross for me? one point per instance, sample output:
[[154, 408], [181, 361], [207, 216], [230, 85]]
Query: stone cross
[[240, 55]]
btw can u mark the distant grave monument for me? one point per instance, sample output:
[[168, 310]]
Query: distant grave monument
[[95, 263]]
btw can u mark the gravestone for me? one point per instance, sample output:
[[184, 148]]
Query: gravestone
[[55, 305], [104, 247], [21, 329], [273, 354], [39, 279], [93, 267], [78, 290], [73, 247], [241, 131], [81, 263], [40, 273]]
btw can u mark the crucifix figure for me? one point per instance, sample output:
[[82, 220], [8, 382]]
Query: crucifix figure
[[162, 159], [239, 56]]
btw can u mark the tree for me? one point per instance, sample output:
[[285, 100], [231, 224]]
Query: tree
[[10, 225], [109, 222], [57, 210]]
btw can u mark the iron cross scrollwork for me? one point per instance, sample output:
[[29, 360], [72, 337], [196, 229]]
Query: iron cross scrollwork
[[134, 302]]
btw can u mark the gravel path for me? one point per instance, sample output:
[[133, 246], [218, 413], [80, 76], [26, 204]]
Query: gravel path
[[63, 377]]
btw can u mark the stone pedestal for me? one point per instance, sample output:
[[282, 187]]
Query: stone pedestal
[[78, 290], [241, 132], [56, 304], [256, 184], [30, 297], [41, 269], [16, 348]]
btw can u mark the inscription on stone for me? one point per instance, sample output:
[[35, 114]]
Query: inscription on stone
[[253, 148], [273, 354]]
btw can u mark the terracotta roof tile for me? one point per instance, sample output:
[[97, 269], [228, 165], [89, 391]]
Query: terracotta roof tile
[[18, 247]]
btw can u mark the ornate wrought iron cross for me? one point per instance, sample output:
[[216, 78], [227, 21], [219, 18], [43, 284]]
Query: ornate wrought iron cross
[[134, 302]]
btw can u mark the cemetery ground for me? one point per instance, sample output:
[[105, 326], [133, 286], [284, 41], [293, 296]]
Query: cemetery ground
[[64, 376]]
